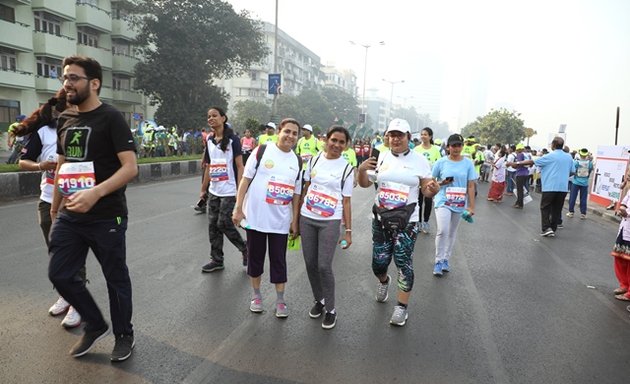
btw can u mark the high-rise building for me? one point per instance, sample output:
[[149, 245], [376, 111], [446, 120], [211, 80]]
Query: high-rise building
[[299, 67], [344, 80], [35, 36]]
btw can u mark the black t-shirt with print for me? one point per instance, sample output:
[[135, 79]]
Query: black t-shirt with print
[[97, 136]]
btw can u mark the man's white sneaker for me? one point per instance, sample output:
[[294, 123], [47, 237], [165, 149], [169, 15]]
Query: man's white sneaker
[[72, 319], [59, 307]]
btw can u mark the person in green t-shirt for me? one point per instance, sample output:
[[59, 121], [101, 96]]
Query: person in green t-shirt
[[269, 135], [469, 147], [307, 146], [432, 153]]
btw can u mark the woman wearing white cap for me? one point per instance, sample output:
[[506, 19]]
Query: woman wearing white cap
[[308, 145], [456, 175], [400, 173]]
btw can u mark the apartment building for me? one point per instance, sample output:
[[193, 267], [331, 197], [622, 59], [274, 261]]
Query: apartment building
[[300, 68], [35, 35], [344, 80]]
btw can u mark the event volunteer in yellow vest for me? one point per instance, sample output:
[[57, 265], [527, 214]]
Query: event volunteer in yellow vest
[[308, 145]]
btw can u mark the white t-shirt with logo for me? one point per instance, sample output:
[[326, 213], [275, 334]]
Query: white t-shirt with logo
[[221, 166], [324, 198], [398, 179], [268, 203]]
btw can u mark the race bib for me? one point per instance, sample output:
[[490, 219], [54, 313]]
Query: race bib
[[582, 170], [321, 201], [306, 157], [279, 191], [74, 177], [455, 197], [218, 170], [392, 195]]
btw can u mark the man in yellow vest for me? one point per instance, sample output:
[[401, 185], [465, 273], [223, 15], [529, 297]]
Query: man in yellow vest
[[307, 146], [270, 134]]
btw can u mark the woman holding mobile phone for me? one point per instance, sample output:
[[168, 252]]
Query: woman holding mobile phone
[[456, 176]]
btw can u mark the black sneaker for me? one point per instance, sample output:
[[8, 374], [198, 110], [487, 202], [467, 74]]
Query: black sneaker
[[123, 347], [88, 340], [317, 310], [330, 319], [212, 266]]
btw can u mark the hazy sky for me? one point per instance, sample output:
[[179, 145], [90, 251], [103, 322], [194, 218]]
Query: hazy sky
[[554, 61]]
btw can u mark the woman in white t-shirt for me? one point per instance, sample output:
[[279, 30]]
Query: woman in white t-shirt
[[400, 173], [223, 170], [327, 192], [267, 206]]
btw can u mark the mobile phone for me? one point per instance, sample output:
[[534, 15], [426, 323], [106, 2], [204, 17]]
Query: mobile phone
[[375, 153], [449, 179]]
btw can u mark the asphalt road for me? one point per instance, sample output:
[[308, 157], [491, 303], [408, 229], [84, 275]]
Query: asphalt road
[[516, 308]]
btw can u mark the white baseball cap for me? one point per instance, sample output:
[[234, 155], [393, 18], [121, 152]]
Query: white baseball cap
[[308, 127], [399, 125], [271, 125]]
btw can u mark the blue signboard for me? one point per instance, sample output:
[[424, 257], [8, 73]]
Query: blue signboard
[[275, 84]]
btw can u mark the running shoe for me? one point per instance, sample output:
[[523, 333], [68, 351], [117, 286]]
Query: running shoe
[[122, 348], [437, 268], [212, 266], [330, 320], [88, 340], [60, 306], [72, 319], [569, 214], [281, 310], [381, 290], [256, 305], [445, 266], [317, 310], [399, 317], [547, 233]]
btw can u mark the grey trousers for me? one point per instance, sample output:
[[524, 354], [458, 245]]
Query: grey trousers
[[319, 242]]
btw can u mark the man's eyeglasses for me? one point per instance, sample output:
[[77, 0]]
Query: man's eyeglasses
[[72, 78]]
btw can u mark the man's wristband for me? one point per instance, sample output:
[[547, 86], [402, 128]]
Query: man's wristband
[[348, 229]]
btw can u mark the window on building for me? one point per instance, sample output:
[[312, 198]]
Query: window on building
[[7, 13], [9, 109], [8, 59], [253, 75], [118, 13], [87, 36], [121, 83], [48, 67], [121, 47], [47, 23]]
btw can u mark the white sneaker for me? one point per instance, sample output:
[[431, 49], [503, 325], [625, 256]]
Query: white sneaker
[[72, 319], [59, 307], [569, 214]]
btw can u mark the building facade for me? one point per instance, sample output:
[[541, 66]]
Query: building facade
[[299, 67], [35, 36]]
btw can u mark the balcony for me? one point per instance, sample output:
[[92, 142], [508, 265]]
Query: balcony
[[16, 79], [18, 2], [20, 40], [46, 84], [122, 30], [64, 9], [45, 44], [127, 97], [93, 17], [103, 56], [124, 64]]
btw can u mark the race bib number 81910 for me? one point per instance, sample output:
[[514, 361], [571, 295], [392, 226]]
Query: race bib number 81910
[[74, 177]]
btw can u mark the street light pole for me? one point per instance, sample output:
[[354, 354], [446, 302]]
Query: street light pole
[[274, 104], [391, 97], [363, 106]]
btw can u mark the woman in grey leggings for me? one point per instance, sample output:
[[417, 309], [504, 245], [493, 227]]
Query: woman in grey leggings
[[326, 200]]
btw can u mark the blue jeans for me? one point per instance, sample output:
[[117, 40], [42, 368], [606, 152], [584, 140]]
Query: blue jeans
[[583, 190], [511, 181]]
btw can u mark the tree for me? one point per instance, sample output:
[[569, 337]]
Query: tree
[[344, 105], [497, 126], [185, 44], [247, 110], [529, 133]]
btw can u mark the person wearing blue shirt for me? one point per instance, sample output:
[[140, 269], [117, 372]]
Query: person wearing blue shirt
[[456, 176], [555, 169], [582, 168]]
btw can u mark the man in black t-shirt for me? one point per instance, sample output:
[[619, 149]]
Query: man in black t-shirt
[[89, 210]]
